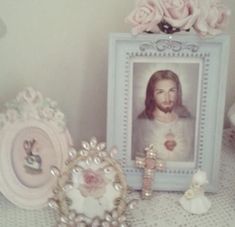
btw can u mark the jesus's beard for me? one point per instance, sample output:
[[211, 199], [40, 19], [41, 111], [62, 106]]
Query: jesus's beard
[[167, 109]]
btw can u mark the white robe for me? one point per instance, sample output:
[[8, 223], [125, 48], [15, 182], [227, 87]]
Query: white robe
[[194, 200], [173, 141]]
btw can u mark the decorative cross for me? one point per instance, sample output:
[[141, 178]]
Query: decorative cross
[[150, 163]]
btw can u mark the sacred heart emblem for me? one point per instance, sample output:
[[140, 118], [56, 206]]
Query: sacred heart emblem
[[170, 145]]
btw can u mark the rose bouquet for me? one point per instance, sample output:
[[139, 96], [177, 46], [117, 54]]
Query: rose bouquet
[[206, 17]]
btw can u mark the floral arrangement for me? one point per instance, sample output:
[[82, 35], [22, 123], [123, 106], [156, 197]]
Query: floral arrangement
[[206, 17]]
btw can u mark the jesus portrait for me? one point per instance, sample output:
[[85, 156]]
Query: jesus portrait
[[164, 121]]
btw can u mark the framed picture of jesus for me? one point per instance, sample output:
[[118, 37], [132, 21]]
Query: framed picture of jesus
[[167, 92]]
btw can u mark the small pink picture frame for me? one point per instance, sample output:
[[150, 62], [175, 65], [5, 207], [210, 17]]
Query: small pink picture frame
[[33, 138]]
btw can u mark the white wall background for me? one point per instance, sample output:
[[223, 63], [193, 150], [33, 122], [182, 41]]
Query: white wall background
[[60, 48]]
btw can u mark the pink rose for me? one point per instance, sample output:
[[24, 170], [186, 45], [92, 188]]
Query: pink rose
[[180, 14], [48, 113], [189, 194], [59, 116], [94, 183], [145, 17], [11, 115], [213, 17]]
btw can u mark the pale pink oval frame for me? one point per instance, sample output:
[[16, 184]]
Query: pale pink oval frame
[[55, 132]]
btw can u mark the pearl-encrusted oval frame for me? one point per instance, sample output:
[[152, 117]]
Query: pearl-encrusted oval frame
[[95, 207]]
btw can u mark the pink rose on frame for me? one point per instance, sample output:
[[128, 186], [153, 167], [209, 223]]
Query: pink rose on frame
[[189, 194], [213, 17], [180, 14], [11, 115], [145, 17], [47, 113], [94, 183]]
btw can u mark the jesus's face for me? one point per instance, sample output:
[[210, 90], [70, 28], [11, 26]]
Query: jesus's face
[[165, 95]]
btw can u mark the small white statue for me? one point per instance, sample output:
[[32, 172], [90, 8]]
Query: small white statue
[[194, 201]]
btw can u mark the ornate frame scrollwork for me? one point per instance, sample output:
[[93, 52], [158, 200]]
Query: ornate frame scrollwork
[[165, 44]]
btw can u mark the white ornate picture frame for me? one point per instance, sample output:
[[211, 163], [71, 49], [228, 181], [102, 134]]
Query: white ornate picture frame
[[33, 138], [201, 65]]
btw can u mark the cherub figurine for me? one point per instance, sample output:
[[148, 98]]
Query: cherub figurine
[[194, 201]]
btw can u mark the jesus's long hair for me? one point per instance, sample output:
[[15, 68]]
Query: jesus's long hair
[[150, 103]]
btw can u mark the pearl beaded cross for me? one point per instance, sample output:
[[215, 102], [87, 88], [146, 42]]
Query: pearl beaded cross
[[150, 163]]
